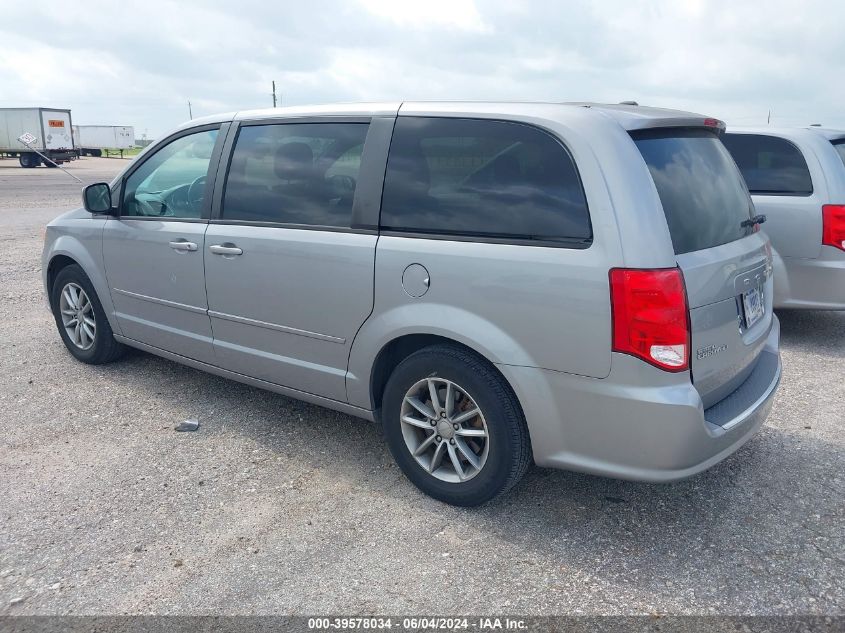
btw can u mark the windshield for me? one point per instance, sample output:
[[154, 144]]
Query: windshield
[[703, 195]]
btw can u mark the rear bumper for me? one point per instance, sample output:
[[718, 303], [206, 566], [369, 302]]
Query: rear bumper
[[624, 426], [812, 284]]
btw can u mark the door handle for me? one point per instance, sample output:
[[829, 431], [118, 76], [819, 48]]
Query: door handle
[[183, 246], [223, 249]]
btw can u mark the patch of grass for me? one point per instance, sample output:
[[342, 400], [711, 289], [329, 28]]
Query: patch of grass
[[127, 153]]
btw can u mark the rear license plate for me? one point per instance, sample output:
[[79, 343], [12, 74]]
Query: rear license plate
[[752, 306]]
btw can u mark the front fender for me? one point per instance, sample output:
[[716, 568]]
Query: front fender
[[425, 318], [85, 247]]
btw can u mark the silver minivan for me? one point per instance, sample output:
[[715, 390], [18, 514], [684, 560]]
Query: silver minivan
[[797, 180], [580, 285]]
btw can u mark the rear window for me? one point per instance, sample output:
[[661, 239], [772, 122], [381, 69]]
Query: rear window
[[840, 148], [703, 196], [770, 165], [483, 179]]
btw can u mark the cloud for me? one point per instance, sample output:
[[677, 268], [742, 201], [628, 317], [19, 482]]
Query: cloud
[[139, 63], [449, 14]]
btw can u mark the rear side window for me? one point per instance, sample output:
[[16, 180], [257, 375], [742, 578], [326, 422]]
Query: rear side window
[[702, 193], [485, 179], [770, 165], [295, 173], [839, 146]]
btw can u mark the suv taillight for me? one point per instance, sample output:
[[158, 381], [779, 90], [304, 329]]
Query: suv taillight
[[833, 225], [650, 316]]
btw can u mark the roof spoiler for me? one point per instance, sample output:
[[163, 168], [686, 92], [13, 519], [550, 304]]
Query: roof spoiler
[[710, 123], [633, 117]]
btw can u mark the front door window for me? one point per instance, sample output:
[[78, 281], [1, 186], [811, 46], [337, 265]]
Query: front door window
[[172, 183]]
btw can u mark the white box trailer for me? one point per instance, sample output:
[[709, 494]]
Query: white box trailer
[[91, 140], [51, 129]]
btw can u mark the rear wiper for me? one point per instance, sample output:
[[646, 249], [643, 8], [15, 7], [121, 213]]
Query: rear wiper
[[757, 219]]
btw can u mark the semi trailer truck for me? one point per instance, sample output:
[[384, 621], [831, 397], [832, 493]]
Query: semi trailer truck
[[91, 140], [49, 129]]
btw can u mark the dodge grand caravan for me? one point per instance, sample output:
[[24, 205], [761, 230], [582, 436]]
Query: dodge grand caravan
[[580, 285], [797, 180]]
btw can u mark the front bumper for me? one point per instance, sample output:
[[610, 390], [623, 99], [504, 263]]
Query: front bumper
[[811, 284], [640, 423]]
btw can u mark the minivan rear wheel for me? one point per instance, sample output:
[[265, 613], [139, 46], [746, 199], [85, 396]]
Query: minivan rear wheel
[[454, 426]]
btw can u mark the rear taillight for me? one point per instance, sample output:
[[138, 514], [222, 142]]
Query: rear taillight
[[833, 225], [650, 316]]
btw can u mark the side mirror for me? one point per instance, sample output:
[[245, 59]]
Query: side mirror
[[97, 198]]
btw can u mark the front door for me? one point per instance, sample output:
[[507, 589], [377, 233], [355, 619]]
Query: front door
[[289, 280], [153, 249]]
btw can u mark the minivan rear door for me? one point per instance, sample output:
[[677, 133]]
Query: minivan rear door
[[725, 262], [290, 249]]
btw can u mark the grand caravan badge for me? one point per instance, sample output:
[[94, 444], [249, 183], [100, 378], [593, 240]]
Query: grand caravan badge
[[710, 350]]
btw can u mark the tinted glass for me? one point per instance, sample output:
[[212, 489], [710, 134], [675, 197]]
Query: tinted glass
[[298, 173], [172, 182], [840, 149], [482, 178], [770, 165], [703, 196]]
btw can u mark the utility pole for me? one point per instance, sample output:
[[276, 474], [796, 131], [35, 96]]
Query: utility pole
[[769, 119], [190, 112], [274, 94]]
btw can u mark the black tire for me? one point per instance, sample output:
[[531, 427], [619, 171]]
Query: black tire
[[104, 349], [29, 160], [509, 449], [48, 163]]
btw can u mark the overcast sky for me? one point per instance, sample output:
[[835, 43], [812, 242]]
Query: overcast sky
[[139, 63]]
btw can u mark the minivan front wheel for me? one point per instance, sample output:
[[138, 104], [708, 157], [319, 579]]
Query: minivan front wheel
[[77, 314], [80, 318], [454, 426]]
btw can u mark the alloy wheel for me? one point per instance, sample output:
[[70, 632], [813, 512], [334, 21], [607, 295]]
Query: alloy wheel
[[445, 430], [78, 316]]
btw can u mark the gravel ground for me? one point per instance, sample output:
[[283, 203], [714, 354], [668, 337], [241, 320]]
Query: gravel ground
[[276, 506]]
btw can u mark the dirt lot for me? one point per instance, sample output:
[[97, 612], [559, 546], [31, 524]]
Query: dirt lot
[[275, 506]]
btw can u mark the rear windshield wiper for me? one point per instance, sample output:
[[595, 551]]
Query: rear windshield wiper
[[757, 219]]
